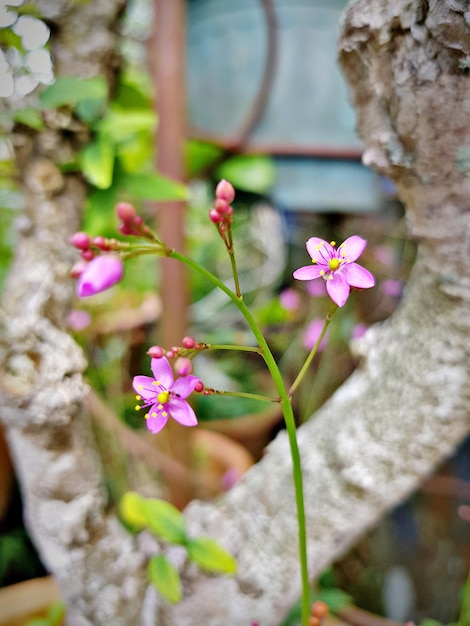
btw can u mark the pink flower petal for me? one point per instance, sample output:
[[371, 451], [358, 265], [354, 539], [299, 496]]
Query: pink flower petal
[[338, 289], [308, 272], [100, 274], [357, 276], [320, 250], [182, 412], [156, 420], [352, 248], [162, 371], [144, 386], [184, 386]]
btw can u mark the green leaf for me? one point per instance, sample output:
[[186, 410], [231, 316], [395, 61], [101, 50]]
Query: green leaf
[[165, 521], [165, 577], [123, 124], [199, 155], [211, 556], [71, 91], [56, 613], [152, 187], [29, 117], [132, 510], [97, 163], [255, 173], [335, 598]]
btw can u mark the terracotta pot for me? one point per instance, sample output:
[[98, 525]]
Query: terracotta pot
[[23, 601]]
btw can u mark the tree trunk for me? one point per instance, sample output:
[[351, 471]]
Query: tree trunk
[[370, 445], [95, 560]]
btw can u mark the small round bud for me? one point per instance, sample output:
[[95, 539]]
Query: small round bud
[[138, 220], [80, 240], [221, 206], [156, 352], [101, 243], [188, 342], [229, 211], [199, 387], [170, 354], [225, 191], [125, 211], [125, 229], [214, 216], [183, 366], [77, 269], [319, 609], [87, 255]]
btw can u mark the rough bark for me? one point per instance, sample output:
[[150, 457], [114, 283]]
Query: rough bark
[[401, 413], [95, 560]]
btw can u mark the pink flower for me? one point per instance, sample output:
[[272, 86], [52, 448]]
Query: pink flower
[[336, 266], [311, 334], [100, 274], [289, 299], [165, 396]]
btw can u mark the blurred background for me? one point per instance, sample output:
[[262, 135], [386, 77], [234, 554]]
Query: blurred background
[[249, 91]]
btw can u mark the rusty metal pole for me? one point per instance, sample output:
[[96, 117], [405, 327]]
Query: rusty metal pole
[[167, 66]]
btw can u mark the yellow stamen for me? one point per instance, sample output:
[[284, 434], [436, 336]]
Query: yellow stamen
[[154, 414], [146, 416], [138, 398], [137, 407], [163, 397], [139, 387], [332, 243], [164, 414], [314, 261], [333, 264]]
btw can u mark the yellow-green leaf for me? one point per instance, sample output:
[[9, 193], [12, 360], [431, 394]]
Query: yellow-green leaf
[[210, 555], [165, 521], [132, 510], [165, 577], [97, 163]]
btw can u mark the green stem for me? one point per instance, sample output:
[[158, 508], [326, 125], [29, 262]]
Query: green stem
[[464, 617], [288, 413], [313, 352], [233, 263], [244, 394], [217, 346]]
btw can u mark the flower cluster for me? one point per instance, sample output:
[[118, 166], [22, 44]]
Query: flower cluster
[[221, 213], [336, 266], [131, 222], [99, 268], [164, 396]]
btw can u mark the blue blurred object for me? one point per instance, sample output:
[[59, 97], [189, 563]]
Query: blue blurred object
[[307, 113]]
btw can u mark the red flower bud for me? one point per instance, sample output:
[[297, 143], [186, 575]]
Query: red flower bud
[[214, 216], [183, 366]]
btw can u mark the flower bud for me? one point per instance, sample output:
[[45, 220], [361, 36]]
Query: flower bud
[[188, 342], [214, 216], [225, 191], [80, 240], [125, 211], [156, 352], [183, 366], [100, 274], [78, 268], [101, 243], [199, 387], [87, 255]]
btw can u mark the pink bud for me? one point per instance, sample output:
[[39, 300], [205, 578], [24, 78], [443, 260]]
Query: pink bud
[[183, 366], [170, 354], [125, 211], [188, 342], [221, 205], [87, 255], [214, 216], [125, 229], [80, 240], [199, 386], [100, 274], [156, 352], [78, 268], [101, 243], [225, 191]]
